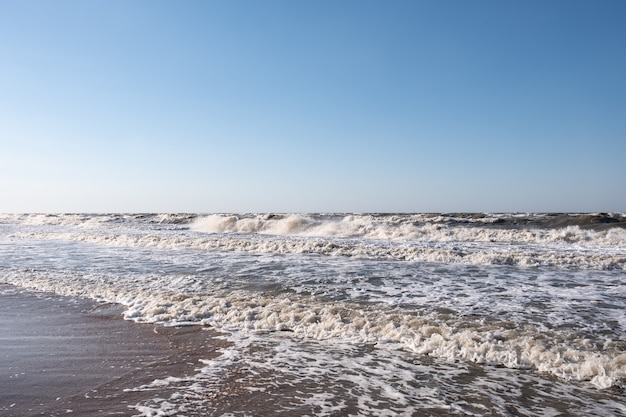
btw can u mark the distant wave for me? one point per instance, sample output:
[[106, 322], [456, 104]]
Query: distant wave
[[280, 223], [485, 239], [407, 227]]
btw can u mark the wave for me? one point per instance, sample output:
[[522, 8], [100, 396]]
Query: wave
[[270, 222], [452, 251], [451, 337], [405, 227], [464, 239], [87, 220]]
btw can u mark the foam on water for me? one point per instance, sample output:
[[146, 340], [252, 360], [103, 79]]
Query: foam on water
[[560, 352], [400, 227], [364, 303], [606, 252], [293, 377]]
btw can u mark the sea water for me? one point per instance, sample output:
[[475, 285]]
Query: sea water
[[357, 314]]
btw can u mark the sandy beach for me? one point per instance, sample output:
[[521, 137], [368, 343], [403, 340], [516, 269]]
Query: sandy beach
[[63, 356]]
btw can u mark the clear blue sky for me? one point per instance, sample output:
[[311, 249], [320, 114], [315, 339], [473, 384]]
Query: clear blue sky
[[305, 106]]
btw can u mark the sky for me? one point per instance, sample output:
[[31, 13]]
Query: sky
[[312, 106]]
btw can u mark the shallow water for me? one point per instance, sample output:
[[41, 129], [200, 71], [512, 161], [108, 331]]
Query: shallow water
[[418, 314]]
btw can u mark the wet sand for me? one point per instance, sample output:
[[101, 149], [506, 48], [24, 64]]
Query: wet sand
[[63, 356]]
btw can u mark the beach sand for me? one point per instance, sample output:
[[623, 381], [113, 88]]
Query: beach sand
[[65, 356]]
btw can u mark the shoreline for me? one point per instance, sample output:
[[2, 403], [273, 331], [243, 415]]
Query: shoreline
[[66, 356]]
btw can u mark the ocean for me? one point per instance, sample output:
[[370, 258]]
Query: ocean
[[456, 314]]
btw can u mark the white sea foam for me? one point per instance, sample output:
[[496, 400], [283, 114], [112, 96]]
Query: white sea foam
[[308, 378], [560, 353], [400, 227], [363, 303], [464, 249]]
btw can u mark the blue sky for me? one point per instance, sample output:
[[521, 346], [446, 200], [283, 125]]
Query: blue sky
[[307, 106]]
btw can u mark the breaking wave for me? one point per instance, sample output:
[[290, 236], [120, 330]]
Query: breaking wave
[[401, 227], [452, 251], [561, 353]]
